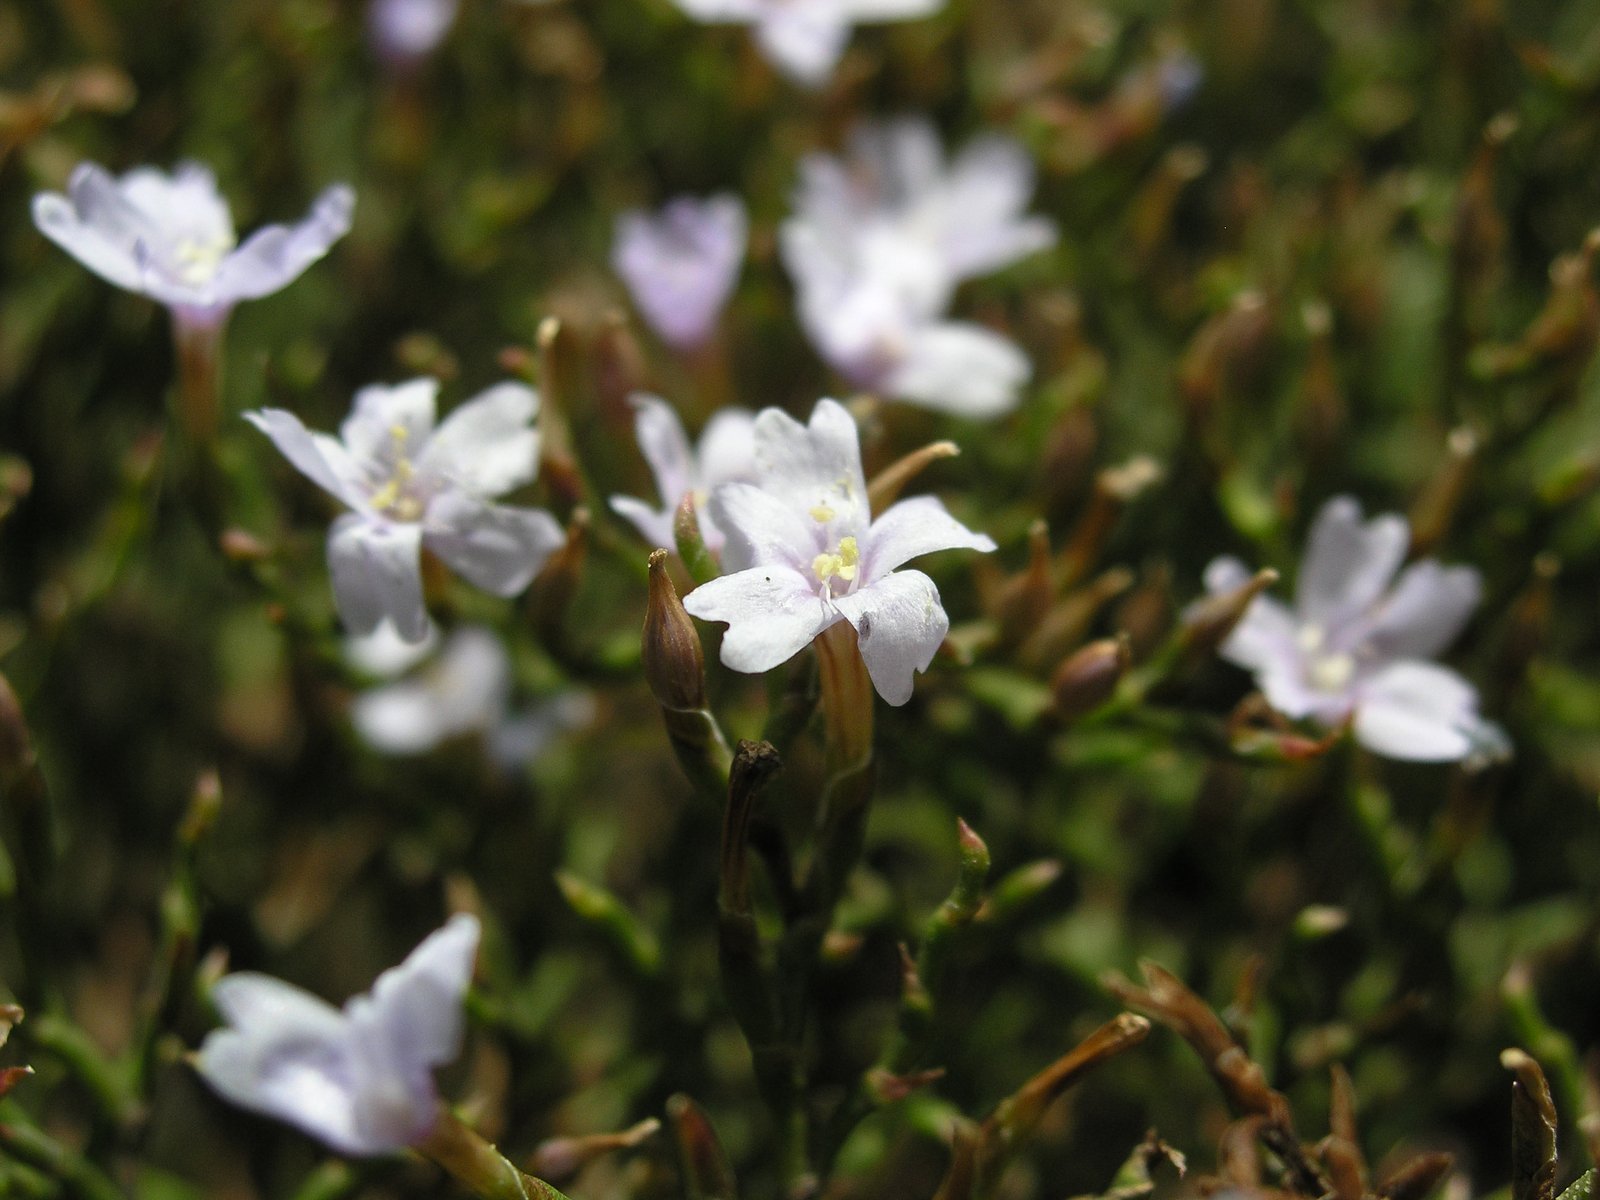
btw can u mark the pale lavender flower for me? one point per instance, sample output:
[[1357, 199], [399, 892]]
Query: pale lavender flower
[[1357, 643], [877, 246], [465, 689], [359, 1078], [805, 38], [681, 263], [171, 237], [411, 485], [804, 552], [727, 452], [405, 32]]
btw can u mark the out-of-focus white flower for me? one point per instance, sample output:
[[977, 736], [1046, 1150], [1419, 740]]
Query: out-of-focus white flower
[[171, 237], [804, 552], [681, 263], [727, 452], [411, 485], [805, 38], [466, 689], [405, 32], [1357, 643], [361, 1078], [878, 244], [384, 654]]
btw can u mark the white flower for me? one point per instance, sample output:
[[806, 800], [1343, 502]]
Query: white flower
[[804, 552], [1358, 641], [411, 485], [466, 689], [383, 653], [726, 453], [877, 246], [361, 1078], [404, 32], [681, 264], [171, 237], [805, 38]]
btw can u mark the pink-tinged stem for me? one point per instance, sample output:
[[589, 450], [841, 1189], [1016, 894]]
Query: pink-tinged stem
[[199, 354]]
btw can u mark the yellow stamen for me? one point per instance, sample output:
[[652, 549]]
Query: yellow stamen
[[389, 495], [821, 514], [849, 557], [828, 565]]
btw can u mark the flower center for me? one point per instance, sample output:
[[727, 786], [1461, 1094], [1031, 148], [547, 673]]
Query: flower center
[[1326, 671], [199, 258], [394, 497], [840, 563]]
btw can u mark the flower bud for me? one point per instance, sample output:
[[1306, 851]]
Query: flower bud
[[242, 546], [550, 596], [619, 367], [706, 1169], [1021, 602], [1019, 888], [690, 541], [674, 662], [1089, 676], [561, 1157], [1209, 622], [1114, 489]]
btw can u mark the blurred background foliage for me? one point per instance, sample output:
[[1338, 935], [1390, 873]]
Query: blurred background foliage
[[1304, 242]]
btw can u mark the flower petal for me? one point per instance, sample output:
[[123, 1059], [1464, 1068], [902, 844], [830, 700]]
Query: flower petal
[[398, 718], [681, 263], [493, 546], [377, 573], [899, 624], [804, 41], [773, 612], [815, 465], [727, 447], [666, 448], [305, 1080], [762, 529], [268, 1004], [385, 421], [487, 445], [913, 528], [276, 255], [1428, 606], [1419, 711], [384, 654], [891, 10], [960, 368], [979, 209], [418, 1004], [96, 225], [722, 10], [1348, 562], [654, 524], [319, 458]]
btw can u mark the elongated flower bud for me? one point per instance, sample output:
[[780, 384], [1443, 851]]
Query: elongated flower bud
[[674, 663]]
